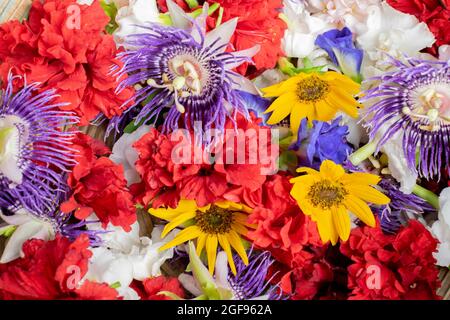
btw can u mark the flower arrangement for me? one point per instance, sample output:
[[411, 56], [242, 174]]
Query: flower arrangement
[[257, 149]]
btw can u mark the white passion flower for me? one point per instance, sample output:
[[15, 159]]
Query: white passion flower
[[123, 153], [441, 229], [134, 13], [125, 257]]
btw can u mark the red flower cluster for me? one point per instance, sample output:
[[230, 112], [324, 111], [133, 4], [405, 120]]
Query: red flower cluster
[[174, 167], [435, 13], [281, 228], [149, 289], [392, 267], [63, 45], [98, 186], [258, 24], [52, 270]]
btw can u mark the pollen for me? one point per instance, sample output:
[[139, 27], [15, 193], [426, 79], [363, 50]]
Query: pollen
[[312, 89], [326, 194], [215, 220]]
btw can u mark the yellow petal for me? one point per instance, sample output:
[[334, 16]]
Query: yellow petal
[[360, 209], [306, 170], [239, 228], [187, 234], [211, 251], [236, 243], [345, 83], [226, 247], [170, 213], [360, 178], [279, 114], [341, 220], [182, 218], [326, 228], [368, 194], [201, 243], [330, 170], [324, 111], [286, 100], [283, 87], [298, 113], [344, 102]]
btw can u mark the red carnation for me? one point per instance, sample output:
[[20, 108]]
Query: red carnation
[[52, 270], [400, 267], [154, 165], [63, 45], [151, 288], [435, 13], [315, 273], [101, 188], [174, 167], [281, 227]]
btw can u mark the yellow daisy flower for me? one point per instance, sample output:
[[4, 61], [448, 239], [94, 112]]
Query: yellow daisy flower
[[221, 223], [329, 195], [316, 96]]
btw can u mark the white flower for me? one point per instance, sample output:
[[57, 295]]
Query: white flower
[[269, 77], [302, 30], [397, 164], [132, 14], [392, 32], [441, 229], [343, 13], [27, 227], [444, 52], [356, 133], [125, 256], [11, 141], [123, 153]]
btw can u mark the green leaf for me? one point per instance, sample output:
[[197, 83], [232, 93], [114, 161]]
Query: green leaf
[[111, 11], [288, 161], [116, 285], [7, 231]]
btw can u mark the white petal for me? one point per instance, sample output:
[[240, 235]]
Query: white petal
[[179, 18], [221, 272], [224, 32], [14, 244], [242, 54], [190, 284], [18, 218], [241, 83]]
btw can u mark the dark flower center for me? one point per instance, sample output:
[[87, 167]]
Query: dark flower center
[[312, 89], [215, 220], [326, 194]]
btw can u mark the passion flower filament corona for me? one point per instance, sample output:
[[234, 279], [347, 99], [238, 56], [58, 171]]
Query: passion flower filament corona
[[185, 72]]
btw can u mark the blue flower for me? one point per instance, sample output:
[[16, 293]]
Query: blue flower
[[341, 49], [256, 104], [324, 141]]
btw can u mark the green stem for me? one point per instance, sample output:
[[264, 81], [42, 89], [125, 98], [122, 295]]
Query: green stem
[[213, 8], [363, 153], [219, 17], [286, 67], [426, 195], [192, 3]]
